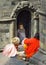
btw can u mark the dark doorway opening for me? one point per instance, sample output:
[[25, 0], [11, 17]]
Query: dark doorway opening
[[24, 17]]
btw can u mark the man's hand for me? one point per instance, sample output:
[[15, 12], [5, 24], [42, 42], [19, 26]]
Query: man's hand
[[21, 55]]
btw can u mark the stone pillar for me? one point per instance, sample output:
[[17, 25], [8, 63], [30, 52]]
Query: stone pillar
[[32, 24], [11, 30], [15, 27], [35, 22]]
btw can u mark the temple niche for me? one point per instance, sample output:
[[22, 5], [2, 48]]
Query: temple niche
[[24, 13]]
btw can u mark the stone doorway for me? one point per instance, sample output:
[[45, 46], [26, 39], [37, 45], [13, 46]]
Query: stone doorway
[[24, 17], [23, 13]]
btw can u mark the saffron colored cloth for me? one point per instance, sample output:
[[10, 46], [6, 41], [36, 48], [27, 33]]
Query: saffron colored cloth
[[32, 46], [9, 50]]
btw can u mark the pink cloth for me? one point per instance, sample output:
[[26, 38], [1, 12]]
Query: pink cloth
[[10, 50]]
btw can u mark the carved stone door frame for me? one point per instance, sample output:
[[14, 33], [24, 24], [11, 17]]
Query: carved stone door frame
[[21, 5]]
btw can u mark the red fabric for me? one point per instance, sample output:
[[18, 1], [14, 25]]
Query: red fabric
[[32, 46]]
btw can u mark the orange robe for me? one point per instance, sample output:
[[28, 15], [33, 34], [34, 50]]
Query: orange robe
[[32, 46]]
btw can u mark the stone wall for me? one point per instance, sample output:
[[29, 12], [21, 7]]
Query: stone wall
[[43, 5], [6, 6]]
